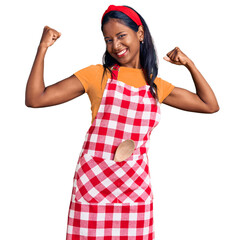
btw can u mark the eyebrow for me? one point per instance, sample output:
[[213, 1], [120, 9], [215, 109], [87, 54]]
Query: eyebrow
[[116, 34]]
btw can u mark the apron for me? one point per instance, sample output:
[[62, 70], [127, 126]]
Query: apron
[[114, 200]]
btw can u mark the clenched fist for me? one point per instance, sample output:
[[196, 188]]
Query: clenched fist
[[176, 56], [49, 36]]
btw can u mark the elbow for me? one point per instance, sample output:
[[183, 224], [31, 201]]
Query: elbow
[[27, 103], [214, 109], [31, 104]]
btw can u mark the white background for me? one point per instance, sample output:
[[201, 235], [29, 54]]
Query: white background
[[196, 160]]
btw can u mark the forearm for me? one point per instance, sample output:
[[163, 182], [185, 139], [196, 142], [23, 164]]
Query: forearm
[[35, 84], [203, 90]]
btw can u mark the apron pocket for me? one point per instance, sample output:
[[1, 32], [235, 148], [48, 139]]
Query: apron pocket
[[106, 181]]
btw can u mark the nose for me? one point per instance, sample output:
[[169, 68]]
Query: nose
[[116, 45]]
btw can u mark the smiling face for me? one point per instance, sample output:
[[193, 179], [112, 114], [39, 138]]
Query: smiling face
[[123, 43]]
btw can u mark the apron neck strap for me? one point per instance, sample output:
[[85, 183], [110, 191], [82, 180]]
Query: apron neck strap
[[115, 71]]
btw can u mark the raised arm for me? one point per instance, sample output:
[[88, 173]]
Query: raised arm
[[203, 100], [37, 95]]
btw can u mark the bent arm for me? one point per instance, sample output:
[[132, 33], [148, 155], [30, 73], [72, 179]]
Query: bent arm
[[203, 100], [35, 84], [37, 95]]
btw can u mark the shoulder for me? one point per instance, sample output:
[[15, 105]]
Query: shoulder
[[90, 76], [161, 82], [164, 88], [91, 73], [92, 69]]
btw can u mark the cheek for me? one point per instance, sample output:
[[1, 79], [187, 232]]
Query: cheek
[[109, 48], [134, 44]]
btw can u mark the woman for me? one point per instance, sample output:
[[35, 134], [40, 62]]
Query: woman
[[113, 199]]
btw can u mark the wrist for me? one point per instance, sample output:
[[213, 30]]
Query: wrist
[[42, 47], [189, 64]]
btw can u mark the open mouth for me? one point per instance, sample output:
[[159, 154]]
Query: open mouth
[[122, 53]]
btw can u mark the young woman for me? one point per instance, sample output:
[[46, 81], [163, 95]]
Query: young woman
[[113, 199]]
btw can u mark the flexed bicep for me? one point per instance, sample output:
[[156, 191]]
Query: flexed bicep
[[186, 100], [60, 92]]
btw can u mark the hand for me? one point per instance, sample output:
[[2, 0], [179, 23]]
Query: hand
[[49, 36], [176, 56]]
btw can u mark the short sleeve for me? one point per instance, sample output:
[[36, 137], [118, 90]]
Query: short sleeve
[[87, 76], [164, 88]]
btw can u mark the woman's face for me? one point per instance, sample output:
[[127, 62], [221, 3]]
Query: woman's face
[[122, 43]]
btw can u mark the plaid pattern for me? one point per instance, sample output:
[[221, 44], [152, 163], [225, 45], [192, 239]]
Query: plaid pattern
[[106, 181], [125, 112], [114, 200], [110, 222]]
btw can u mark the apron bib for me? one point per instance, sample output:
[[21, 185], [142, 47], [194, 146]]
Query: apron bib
[[125, 112]]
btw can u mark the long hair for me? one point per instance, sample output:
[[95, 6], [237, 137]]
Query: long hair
[[148, 56]]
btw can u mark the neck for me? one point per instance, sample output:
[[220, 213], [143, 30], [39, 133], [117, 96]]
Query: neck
[[136, 65]]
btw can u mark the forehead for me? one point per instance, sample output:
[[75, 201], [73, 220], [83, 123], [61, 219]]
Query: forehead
[[114, 26]]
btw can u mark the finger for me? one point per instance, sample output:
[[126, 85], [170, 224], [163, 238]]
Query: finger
[[179, 50], [175, 55], [173, 52], [168, 59], [172, 55], [55, 37], [168, 54], [56, 32]]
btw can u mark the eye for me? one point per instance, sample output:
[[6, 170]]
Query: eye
[[108, 40], [122, 35]]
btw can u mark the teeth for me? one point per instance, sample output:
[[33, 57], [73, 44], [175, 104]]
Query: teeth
[[122, 52]]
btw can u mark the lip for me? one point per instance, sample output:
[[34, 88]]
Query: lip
[[124, 52]]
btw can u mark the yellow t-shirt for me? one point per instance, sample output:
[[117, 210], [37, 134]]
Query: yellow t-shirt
[[94, 85]]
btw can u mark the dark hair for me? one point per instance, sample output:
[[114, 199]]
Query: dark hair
[[148, 56]]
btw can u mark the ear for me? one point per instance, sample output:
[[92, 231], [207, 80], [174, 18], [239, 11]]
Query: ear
[[140, 33]]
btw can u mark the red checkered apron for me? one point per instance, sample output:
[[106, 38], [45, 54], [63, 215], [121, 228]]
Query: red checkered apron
[[113, 200]]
